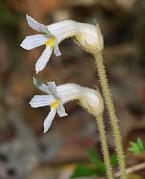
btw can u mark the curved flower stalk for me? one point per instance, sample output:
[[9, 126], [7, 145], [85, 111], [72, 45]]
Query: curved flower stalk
[[89, 37], [87, 41], [95, 48], [88, 98]]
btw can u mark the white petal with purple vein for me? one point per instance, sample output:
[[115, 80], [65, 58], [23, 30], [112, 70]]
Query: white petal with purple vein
[[61, 111], [49, 119], [33, 41], [52, 88], [43, 59], [36, 25], [56, 50], [41, 100]]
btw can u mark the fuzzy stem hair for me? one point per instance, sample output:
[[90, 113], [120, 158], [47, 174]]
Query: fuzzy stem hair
[[104, 146], [112, 115]]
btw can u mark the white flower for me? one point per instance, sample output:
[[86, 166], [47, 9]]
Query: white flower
[[58, 96], [53, 99], [86, 35], [51, 36]]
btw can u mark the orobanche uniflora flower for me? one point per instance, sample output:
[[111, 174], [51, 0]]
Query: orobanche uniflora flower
[[88, 37], [57, 96], [51, 36], [53, 99]]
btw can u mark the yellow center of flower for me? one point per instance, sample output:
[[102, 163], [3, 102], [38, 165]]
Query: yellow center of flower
[[50, 42], [55, 104]]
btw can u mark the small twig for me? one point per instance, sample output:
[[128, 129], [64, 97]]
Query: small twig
[[132, 169]]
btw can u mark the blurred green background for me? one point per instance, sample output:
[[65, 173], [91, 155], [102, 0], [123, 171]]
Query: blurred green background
[[25, 152]]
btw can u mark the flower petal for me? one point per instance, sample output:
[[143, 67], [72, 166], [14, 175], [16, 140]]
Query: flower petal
[[56, 50], [41, 86], [52, 88], [33, 41], [61, 111], [41, 100], [36, 25], [49, 119], [43, 59]]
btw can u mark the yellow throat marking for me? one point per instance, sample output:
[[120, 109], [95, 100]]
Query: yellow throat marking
[[50, 42], [55, 104]]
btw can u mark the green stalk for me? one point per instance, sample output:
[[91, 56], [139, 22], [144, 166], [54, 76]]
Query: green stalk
[[104, 145], [111, 112]]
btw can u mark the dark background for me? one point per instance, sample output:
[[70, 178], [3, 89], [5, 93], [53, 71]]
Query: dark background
[[25, 152]]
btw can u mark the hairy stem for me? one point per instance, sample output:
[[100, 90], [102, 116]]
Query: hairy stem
[[111, 112], [104, 145]]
